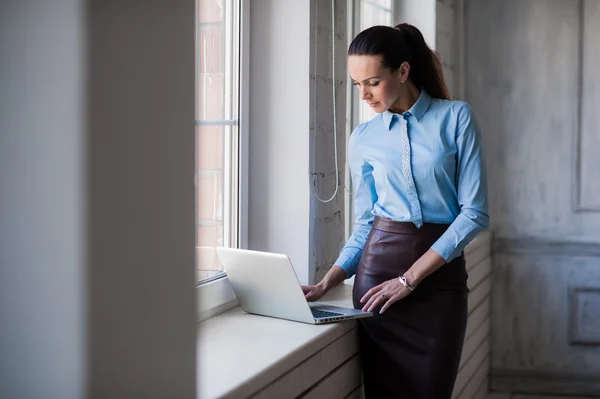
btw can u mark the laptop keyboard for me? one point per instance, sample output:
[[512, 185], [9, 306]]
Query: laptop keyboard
[[318, 314]]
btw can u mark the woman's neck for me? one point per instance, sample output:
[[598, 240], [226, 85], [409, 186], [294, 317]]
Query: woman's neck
[[407, 99]]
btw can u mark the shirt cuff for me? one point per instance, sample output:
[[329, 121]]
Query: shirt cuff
[[347, 262], [445, 250]]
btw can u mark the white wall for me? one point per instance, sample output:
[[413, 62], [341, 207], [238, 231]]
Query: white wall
[[279, 188], [42, 200], [542, 195], [141, 190], [97, 199], [449, 46], [420, 13], [284, 215]]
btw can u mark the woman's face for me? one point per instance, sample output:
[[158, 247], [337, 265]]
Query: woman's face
[[378, 86]]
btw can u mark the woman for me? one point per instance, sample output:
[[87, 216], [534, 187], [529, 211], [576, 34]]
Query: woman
[[420, 196]]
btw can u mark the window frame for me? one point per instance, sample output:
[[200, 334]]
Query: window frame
[[215, 295]]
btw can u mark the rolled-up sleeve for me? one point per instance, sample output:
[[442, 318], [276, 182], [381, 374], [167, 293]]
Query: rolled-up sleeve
[[472, 195]]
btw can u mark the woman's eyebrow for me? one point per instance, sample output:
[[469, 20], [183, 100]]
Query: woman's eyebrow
[[367, 79]]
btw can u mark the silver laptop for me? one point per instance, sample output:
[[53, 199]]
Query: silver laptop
[[266, 284]]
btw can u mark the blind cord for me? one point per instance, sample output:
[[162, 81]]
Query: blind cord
[[335, 149]]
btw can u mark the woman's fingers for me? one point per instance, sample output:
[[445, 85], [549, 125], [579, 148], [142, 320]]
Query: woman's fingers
[[371, 297], [384, 295], [308, 291], [389, 303], [368, 299], [312, 292], [376, 301], [370, 293]]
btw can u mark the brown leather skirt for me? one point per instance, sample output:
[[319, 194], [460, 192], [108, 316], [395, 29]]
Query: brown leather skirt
[[413, 349]]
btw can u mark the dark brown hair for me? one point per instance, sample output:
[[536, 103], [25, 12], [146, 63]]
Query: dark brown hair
[[404, 43]]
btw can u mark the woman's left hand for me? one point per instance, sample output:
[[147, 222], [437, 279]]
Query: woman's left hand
[[384, 295]]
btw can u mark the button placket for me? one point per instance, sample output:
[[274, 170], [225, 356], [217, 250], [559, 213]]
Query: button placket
[[413, 197]]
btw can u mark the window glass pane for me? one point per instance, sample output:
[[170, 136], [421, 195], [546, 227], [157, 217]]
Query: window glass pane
[[372, 12], [376, 13], [217, 47]]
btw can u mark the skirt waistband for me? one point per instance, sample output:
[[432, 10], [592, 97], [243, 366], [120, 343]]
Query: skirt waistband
[[392, 226]]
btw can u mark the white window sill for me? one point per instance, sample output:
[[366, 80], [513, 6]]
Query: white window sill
[[239, 354]]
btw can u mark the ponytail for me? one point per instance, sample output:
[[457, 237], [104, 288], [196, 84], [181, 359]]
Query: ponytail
[[426, 68]]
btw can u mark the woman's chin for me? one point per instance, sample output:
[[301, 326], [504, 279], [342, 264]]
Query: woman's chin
[[377, 107]]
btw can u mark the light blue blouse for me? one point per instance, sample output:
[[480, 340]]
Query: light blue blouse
[[446, 181]]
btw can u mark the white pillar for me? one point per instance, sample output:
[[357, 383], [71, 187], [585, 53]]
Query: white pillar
[[97, 234]]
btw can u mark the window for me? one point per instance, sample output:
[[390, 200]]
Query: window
[[367, 13], [364, 14], [218, 132]]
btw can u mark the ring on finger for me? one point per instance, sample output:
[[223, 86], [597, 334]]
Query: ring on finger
[[385, 298]]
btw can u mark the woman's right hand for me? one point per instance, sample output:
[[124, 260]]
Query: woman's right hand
[[314, 292], [334, 277]]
